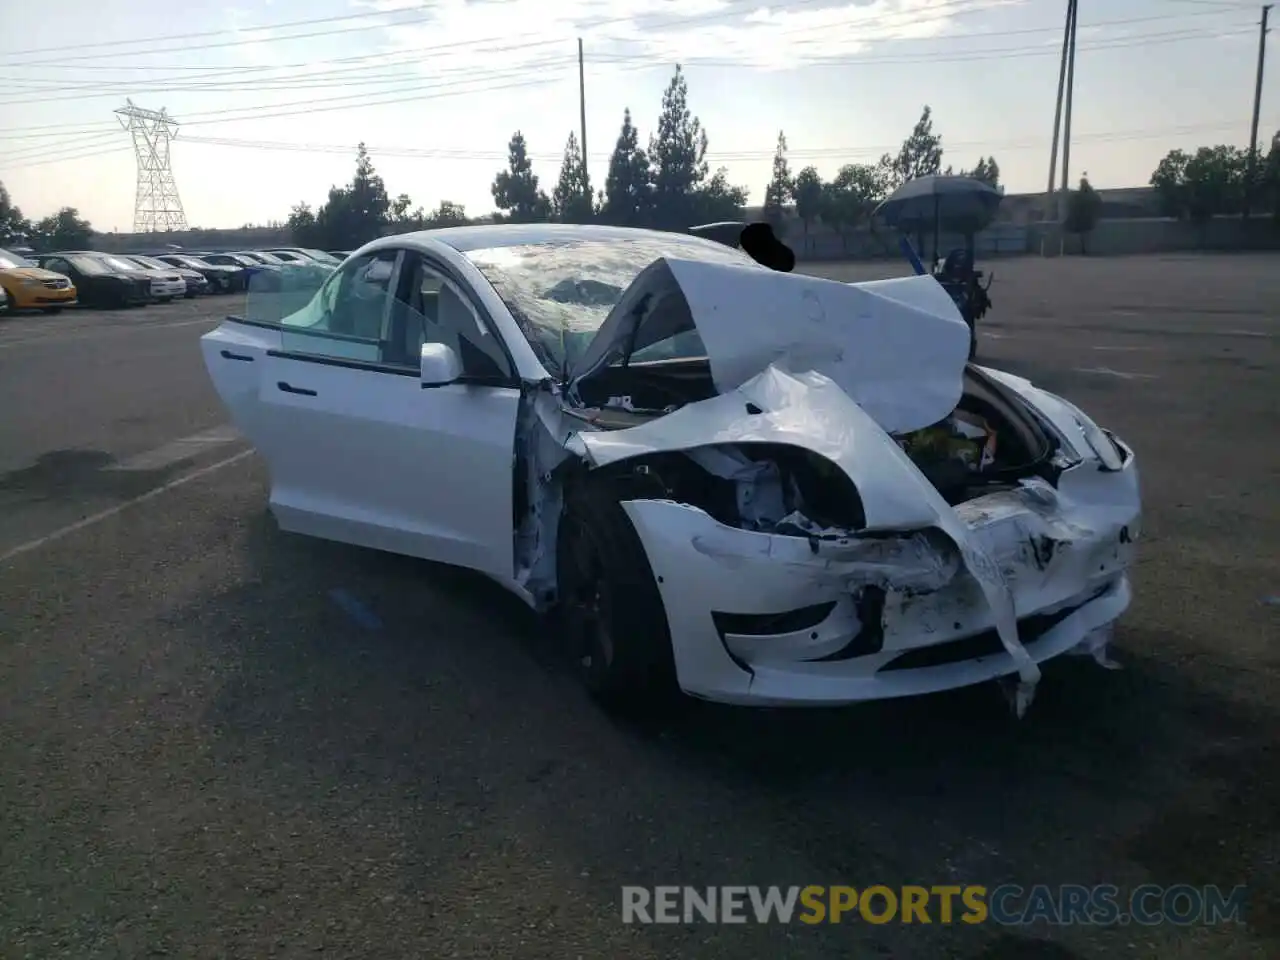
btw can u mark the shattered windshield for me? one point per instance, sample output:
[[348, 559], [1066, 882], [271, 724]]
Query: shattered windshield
[[560, 292]]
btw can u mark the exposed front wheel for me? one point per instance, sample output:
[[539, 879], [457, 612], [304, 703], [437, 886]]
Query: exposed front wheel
[[610, 612]]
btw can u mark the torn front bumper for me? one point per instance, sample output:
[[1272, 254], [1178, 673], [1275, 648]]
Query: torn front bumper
[[769, 619]]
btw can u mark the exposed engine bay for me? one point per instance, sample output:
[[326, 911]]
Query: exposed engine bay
[[983, 446]]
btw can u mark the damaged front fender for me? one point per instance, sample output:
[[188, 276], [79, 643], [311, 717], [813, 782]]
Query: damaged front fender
[[810, 411]]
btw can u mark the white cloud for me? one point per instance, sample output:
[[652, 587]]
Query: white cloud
[[508, 34], [240, 23]]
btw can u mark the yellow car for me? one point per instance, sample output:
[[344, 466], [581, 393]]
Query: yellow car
[[34, 288]]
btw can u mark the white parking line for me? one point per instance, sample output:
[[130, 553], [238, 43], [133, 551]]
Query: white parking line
[[177, 450], [1123, 375], [120, 507]]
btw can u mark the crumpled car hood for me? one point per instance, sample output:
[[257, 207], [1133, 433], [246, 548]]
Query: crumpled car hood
[[898, 347]]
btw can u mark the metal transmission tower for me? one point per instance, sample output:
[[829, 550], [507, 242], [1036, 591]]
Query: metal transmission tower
[[157, 206]]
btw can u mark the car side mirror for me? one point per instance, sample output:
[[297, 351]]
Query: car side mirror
[[439, 365]]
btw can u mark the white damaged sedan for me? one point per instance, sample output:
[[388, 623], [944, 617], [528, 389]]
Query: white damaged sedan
[[760, 487]]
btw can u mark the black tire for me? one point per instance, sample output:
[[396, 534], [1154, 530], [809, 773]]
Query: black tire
[[973, 341], [611, 614]]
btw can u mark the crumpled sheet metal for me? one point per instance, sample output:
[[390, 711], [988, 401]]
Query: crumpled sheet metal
[[897, 347], [916, 562], [810, 411]]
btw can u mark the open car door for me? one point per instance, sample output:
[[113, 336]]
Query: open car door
[[360, 448]]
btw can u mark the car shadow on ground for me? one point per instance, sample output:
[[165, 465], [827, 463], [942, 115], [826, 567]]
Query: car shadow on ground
[[70, 475], [1121, 777]]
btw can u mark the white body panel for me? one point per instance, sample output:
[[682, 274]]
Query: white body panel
[[374, 459]]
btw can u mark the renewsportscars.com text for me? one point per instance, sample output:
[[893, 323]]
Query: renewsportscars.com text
[[1007, 905]]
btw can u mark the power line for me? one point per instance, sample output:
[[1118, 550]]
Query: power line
[[330, 78], [1005, 53], [845, 154], [1226, 4], [741, 155], [193, 36], [89, 155], [682, 22], [44, 150], [322, 83], [50, 152], [417, 92]]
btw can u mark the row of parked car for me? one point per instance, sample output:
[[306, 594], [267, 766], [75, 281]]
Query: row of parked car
[[50, 282]]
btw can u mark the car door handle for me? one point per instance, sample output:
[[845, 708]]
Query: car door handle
[[228, 355], [299, 390]]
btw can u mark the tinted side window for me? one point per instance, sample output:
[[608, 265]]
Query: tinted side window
[[430, 309]]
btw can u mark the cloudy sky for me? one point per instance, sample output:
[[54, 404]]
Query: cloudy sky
[[273, 96]]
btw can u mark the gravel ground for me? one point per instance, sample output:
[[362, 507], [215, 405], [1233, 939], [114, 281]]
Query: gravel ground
[[203, 755]]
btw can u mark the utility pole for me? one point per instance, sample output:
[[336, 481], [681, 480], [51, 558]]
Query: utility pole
[[582, 108], [1066, 124], [1257, 107], [1057, 113]]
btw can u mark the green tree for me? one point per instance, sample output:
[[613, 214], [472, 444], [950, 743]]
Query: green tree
[[921, 153], [678, 153], [571, 199], [986, 169], [403, 216], [849, 198], [781, 187], [717, 199], [302, 226], [808, 194], [368, 196], [1202, 185], [357, 213], [1169, 182], [833, 208], [64, 230], [887, 171], [14, 227], [1215, 179], [1270, 187], [448, 214], [627, 199], [515, 190], [1084, 208]]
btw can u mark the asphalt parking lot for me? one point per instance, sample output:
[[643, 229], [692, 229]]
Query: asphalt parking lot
[[217, 740]]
